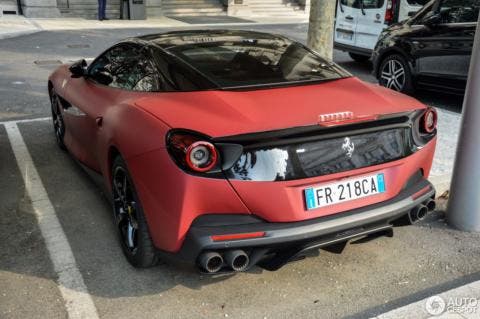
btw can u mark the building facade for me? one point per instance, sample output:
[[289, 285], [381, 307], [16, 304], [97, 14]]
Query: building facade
[[157, 8]]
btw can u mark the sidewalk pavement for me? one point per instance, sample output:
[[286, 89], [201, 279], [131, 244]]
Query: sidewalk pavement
[[13, 26]]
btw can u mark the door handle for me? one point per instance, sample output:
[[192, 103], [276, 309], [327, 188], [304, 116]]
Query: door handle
[[99, 121], [349, 17]]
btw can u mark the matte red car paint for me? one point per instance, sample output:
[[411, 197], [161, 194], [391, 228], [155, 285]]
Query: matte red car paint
[[136, 123], [263, 110], [172, 199], [189, 196]]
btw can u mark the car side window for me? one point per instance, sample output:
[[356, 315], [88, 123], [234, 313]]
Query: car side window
[[459, 11], [143, 74], [351, 3], [373, 4], [125, 67]]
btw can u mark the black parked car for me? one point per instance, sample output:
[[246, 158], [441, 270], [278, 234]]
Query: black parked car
[[430, 50]]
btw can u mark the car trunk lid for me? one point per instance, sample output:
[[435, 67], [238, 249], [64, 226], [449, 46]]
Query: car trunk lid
[[224, 113]]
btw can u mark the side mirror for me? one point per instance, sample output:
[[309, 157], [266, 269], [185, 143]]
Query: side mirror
[[432, 19], [103, 77], [79, 68]]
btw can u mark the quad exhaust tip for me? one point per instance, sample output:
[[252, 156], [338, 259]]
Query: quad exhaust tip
[[418, 213], [431, 205], [237, 259], [211, 261]]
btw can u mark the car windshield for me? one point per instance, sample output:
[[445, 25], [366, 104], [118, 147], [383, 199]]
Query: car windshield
[[235, 62]]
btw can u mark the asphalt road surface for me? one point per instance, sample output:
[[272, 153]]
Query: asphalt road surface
[[367, 279]]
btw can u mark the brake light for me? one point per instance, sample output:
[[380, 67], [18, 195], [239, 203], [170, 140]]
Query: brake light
[[390, 13], [429, 121], [192, 152], [237, 236], [343, 118]]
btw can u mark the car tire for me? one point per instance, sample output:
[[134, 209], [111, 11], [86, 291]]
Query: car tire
[[394, 73], [132, 227], [358, 57], [57, 120]]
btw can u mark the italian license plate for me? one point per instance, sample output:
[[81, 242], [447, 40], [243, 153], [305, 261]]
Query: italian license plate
[[345, 35], [344, 191]]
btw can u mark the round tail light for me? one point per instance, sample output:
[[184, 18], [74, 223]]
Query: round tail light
[[429, 120], [201, 156], [192, 152]]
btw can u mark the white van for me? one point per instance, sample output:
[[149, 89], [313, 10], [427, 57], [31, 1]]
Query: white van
[[358, 23]]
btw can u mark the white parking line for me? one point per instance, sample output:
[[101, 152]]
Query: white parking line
[[26, 120], [78, 302], [465, 300]]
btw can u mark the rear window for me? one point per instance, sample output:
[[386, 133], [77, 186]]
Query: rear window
[[351, 3], [420, 3], [250, 62], [373, 4]]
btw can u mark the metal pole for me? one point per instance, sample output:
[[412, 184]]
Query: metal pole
[[464, 205]]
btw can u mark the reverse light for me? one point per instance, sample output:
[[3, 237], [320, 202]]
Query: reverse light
[[429, 121], [192, 152], [237, 236]]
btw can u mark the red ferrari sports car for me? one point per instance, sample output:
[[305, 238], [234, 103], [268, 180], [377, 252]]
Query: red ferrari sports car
[[228, 149]]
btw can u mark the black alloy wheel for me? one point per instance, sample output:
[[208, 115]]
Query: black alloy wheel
[[57, 118], [131, 225], [395, 74]]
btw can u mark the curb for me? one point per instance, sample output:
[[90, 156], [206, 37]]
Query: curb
[[15, 34], [37, 27]]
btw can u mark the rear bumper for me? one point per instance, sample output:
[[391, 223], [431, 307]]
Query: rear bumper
[[291, 239]]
